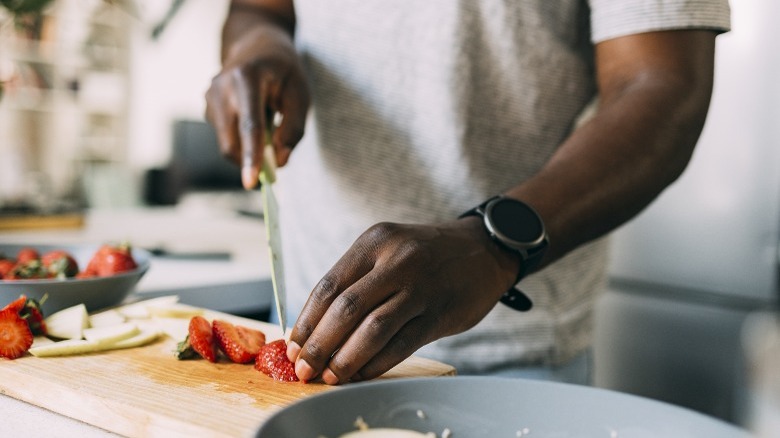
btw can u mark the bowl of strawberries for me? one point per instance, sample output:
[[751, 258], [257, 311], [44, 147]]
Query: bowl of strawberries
[[61, 276]]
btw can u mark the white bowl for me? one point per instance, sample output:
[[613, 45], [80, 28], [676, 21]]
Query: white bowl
[[490, 407]]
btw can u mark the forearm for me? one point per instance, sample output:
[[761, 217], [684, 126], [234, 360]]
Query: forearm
[[638, 143]]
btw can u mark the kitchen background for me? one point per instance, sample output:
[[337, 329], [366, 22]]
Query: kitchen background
[[102, 107]]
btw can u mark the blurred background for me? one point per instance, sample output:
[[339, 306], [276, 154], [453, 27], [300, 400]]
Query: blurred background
[[102, 110]]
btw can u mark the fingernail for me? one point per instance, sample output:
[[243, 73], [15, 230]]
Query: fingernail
[[303, 370], [293, 349], [329, 378], [248, 177]]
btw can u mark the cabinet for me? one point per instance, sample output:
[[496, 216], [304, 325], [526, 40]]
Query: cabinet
[[63, 112]]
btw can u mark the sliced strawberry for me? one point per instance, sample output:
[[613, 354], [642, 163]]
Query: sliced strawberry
[[272, 361], [60, 264], [201, 338], [29, 309], [32, 313], [16, 305], [15, 335], [240, 344]]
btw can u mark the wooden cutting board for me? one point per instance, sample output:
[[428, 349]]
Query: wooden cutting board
[[147, 392]]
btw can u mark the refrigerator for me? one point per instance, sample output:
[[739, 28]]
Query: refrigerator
[[688, 271]]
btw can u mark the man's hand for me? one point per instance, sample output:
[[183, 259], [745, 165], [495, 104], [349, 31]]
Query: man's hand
[[261, 75], [396, 289]]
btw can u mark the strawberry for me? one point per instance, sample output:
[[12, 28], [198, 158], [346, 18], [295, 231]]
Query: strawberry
[[32, 313], [60, 264], [6, 266], [29, 309], [16, 305], [29, 270], [272, 361], [27, 255], [201, 338], [240, 344], [15, 335], [110, 260]]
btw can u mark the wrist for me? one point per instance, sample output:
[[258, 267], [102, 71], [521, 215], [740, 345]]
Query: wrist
[[509, 262], [516, 228]]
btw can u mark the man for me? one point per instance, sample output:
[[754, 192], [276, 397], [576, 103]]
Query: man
[[421, 111]]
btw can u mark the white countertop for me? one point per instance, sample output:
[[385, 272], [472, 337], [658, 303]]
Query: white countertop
[[239, 284]]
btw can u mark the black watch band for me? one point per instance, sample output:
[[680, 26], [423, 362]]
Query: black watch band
[[531, 249]]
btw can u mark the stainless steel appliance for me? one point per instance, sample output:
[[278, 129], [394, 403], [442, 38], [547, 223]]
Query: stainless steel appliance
[[687, 272]]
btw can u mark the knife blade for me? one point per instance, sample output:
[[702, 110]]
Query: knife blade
[[271, 219]]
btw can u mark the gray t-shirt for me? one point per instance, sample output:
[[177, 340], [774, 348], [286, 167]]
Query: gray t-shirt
[[423, 109]]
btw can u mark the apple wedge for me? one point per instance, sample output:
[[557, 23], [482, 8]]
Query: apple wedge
[[106, 318], [111, 334], [68, 323], [142, 338], [101, 339], [174, 310], [65, 348], [140, 309]]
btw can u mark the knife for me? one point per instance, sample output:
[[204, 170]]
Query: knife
[[271, 219]]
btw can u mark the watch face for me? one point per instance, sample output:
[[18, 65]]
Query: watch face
[[515, 221]]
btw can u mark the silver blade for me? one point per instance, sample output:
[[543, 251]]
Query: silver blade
[[271, 219]]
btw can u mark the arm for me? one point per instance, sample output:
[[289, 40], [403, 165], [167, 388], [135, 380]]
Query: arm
[[260, 73], [402, 286], [654, 91]]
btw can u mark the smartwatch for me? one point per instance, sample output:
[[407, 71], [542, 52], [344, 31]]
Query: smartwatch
[[517, 227]]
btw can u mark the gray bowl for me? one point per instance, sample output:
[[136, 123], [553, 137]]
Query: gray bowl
[[96, 293], [490, 407]]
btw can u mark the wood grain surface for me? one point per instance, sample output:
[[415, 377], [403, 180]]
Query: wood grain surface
[[147, 392]]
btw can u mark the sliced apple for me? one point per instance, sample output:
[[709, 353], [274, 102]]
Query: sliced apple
[[175, 310], [140, 309], [111, 334], [106, 318], [65, 348], [142, 338], [175, 328], [68, 323]]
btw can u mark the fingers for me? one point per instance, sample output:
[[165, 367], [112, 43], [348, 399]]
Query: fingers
[[353, 313], [402, 345], [238, 102], [251, 103], [294, 104], [222, 116], [319, 330], [382, 340]]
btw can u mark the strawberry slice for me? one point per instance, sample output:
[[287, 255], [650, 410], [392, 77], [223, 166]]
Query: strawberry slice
[[15, 335], [17, 305], [201, 338], [240, 344], [272, 361], [29, 309]]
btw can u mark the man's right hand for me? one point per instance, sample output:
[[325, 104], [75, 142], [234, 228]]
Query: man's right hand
[[261, 75]]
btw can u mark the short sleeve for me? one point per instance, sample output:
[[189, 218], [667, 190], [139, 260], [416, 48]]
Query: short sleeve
[[614, 18]]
